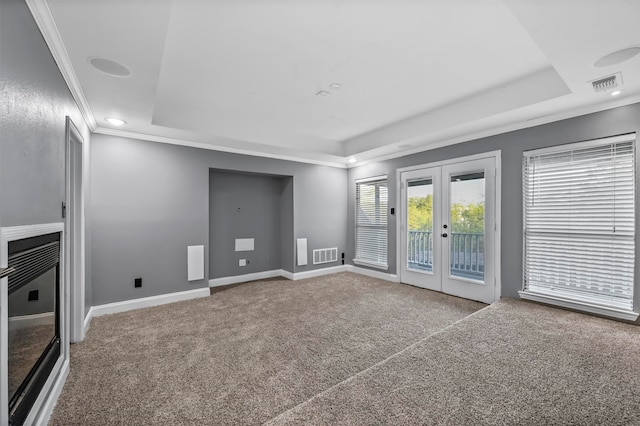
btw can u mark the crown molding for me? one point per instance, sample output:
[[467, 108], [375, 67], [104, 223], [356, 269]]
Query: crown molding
[[374, 156], [47, 25], [212, 147]]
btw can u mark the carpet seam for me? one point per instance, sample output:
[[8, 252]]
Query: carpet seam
[[379, 363]]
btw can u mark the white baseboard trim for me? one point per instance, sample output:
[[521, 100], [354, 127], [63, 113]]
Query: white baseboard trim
[[145, 302], [47, 408], [236, 279], [286, 274], [374, 274], [87, 320], [25, 321], [318, 272], [217, 282]]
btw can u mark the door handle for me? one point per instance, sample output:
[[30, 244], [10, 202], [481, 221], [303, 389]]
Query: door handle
[[445, 235]]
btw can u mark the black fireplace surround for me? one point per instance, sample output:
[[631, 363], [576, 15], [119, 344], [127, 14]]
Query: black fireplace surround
[[34, 319]]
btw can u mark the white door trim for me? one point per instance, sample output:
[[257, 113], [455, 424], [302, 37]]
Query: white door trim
[[497, 247], [75, 250]]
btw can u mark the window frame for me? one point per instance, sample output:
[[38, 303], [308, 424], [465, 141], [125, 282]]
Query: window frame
[[366, 262], [560, 300]]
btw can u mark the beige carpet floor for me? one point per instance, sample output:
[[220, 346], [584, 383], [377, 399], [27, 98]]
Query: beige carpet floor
[[512, 363], [247, 354]]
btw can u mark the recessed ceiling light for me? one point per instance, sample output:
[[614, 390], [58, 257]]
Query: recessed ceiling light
[[616, 92], [115, 121], [109, 67], [352, 160], [614, 58], [323, 93], [335, 86]]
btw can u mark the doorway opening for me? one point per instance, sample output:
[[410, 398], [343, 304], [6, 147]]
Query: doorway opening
[[72, 212], [449, 227]]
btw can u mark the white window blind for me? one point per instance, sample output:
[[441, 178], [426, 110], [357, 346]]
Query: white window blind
[[579, 222], [371, 222]]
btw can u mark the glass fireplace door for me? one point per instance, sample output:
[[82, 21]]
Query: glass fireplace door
[[33, 319]]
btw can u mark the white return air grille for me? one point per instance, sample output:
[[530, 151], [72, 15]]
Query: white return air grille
[[325, 255]]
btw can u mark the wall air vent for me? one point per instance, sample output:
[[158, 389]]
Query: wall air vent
[[607, 83], [326, 255]]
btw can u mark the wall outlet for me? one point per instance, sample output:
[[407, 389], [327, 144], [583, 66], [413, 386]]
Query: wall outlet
[[33, 295], [242, 262], [137, 282]]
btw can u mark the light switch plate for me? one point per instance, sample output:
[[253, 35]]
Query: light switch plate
[[242, 262]]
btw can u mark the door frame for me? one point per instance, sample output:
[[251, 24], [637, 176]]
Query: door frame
[[497, 156], [74, 231]]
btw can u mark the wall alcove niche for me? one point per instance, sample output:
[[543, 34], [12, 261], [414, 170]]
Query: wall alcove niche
[[245, 205]]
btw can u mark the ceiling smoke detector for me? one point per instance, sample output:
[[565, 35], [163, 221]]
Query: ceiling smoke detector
[[607, 83]]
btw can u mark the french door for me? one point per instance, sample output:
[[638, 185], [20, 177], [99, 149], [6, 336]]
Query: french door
[[447, 228]]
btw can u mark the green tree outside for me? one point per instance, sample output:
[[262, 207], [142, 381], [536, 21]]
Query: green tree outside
[[421, 213], [465, 217]]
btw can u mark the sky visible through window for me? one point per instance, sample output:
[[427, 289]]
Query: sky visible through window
[[471, 191]]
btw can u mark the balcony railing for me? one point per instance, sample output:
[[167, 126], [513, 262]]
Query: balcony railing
[[466, 257]]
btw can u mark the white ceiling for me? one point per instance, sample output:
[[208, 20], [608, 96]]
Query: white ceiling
[[242, 76]]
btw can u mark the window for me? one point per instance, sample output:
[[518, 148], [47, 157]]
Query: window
[[579, 224], [371, 222]]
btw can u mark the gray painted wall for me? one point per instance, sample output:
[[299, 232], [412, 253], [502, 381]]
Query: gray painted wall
[[34, 101], [607, 123], [151, 200], [245, 205]]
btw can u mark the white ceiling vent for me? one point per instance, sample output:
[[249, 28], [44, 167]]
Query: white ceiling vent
[[607, 83]]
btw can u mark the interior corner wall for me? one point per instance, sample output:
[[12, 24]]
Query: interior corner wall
[[243, 205], [151, 200], [34, 103], [592, 126], [287, 254]]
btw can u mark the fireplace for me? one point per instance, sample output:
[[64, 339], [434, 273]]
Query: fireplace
[[33, 292]]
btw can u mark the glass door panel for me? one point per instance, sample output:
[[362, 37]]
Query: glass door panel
[[421, 212], [468, 206], [467, 225], [420, 225]]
